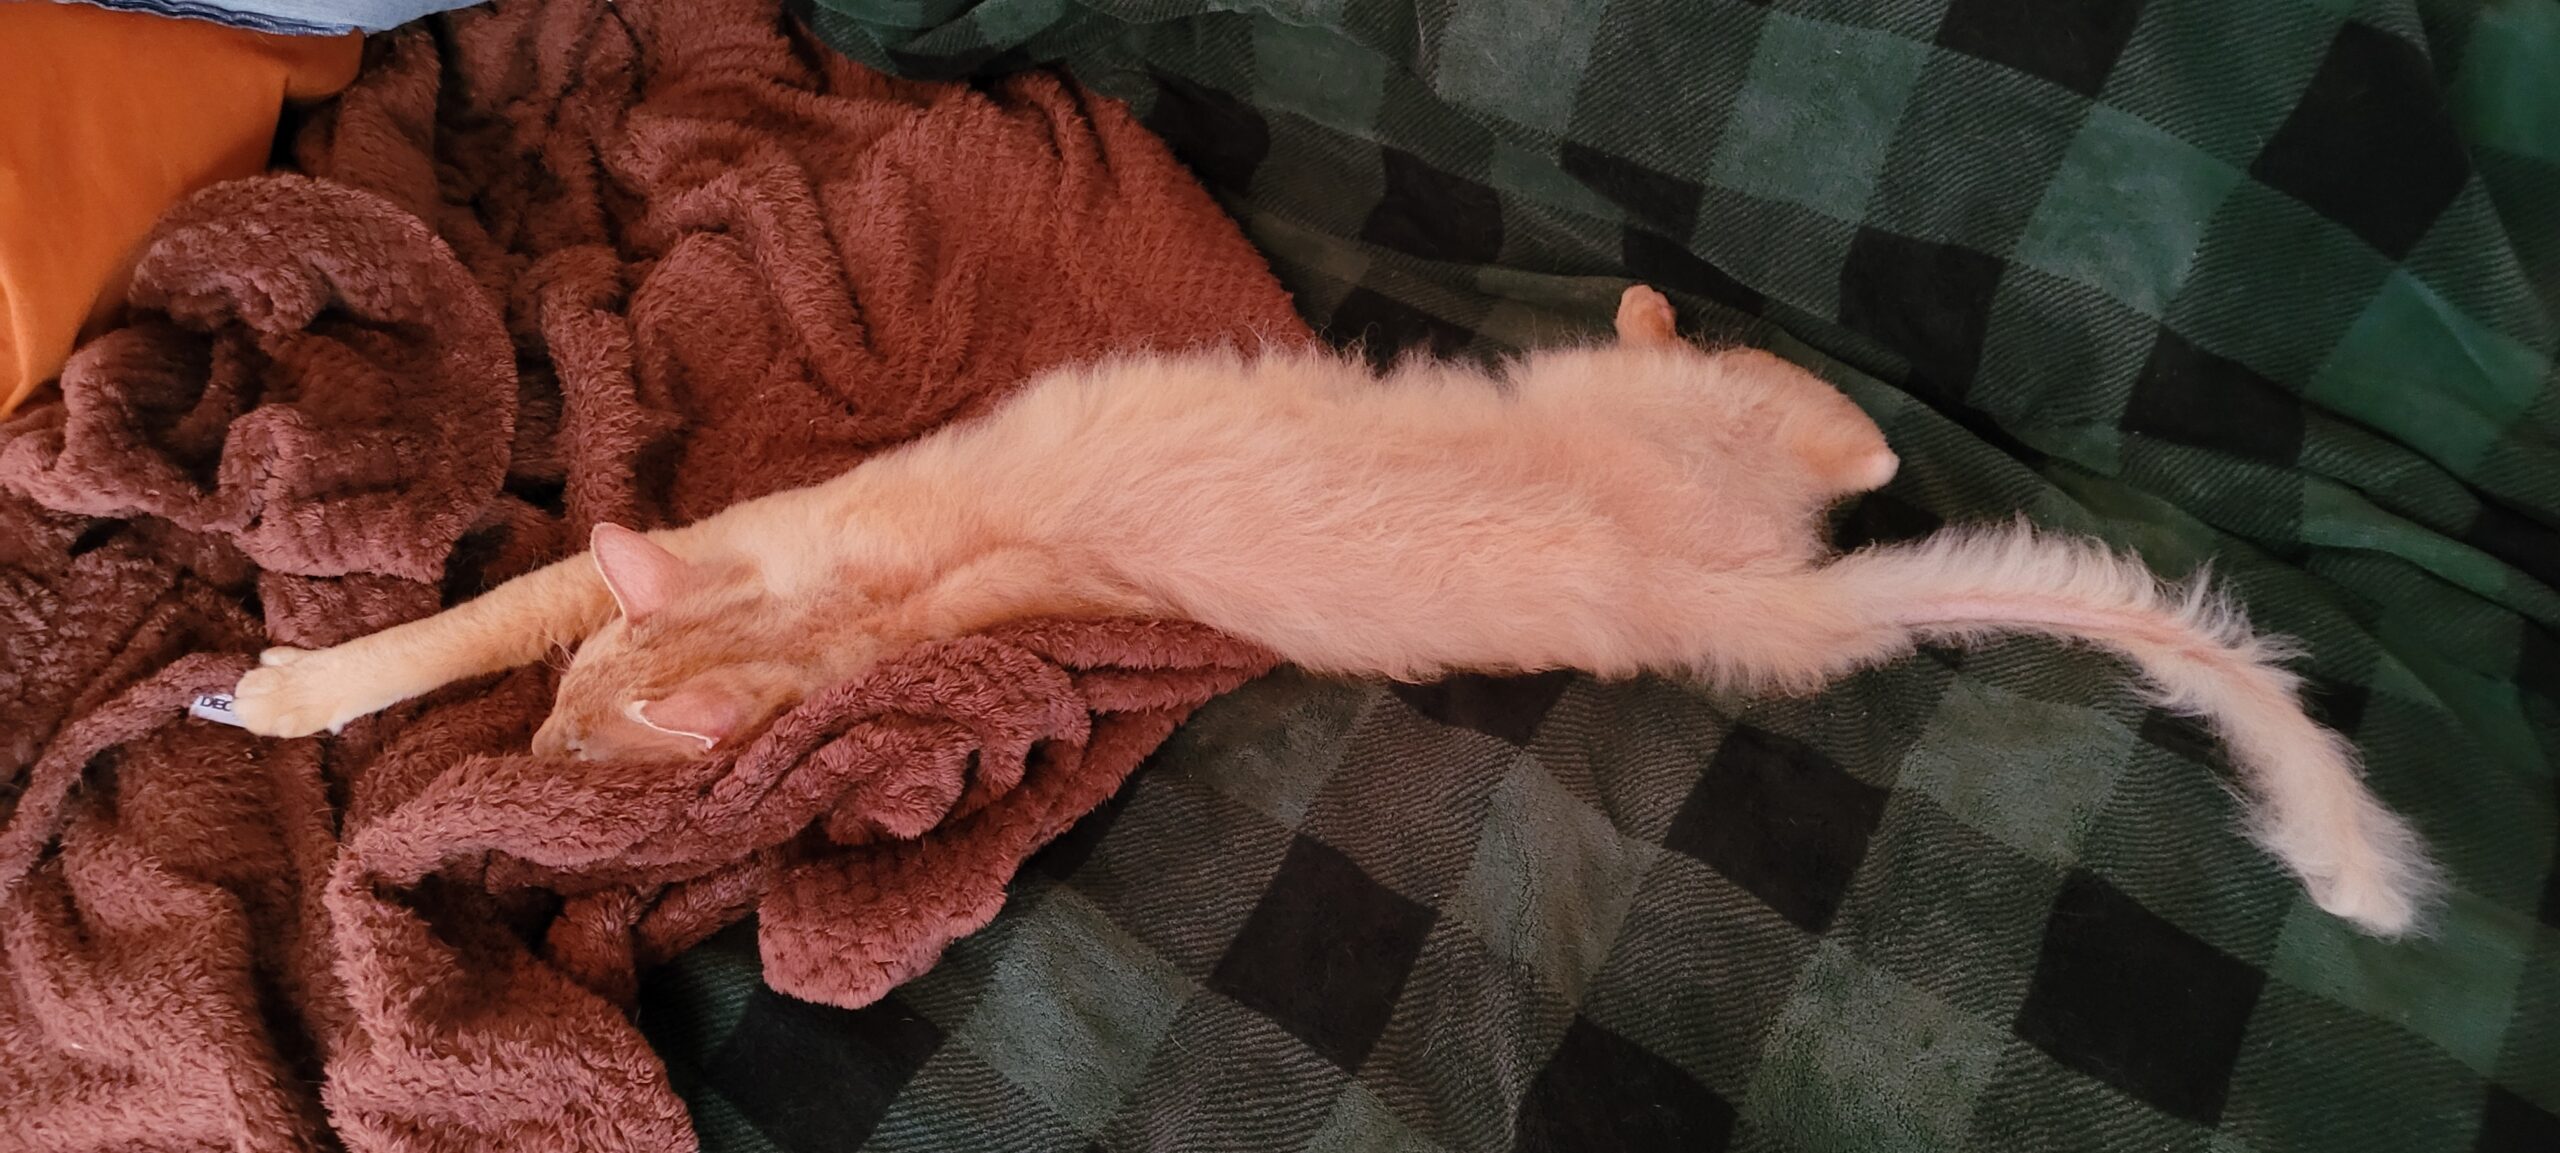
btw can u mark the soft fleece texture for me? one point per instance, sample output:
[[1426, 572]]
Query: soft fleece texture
[[568, 262]]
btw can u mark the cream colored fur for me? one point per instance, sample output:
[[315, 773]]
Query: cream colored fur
[[1644, 506]]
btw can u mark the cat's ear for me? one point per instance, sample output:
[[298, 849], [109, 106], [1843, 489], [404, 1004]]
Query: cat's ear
[[642, 574], [697, 712]]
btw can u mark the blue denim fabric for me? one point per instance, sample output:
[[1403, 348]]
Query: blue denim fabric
[[293, 17]]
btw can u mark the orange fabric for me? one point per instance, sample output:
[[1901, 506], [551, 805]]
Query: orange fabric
[[111, 118]]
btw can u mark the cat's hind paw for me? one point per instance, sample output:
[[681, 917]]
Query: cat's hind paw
[[1645, 317]]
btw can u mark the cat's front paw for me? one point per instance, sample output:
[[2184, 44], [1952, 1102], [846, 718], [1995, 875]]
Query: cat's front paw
[[298, 692]]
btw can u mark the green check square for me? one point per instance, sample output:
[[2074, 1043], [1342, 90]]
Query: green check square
[[2519, 470], [2127, 211], [2379, 1087], [1320, 180], [1552, 879], [1976, 145], [2243, 298], [1787, 250], [1317, 73], [912, 15], [2218, 75], [1515, 59], [1148, 879], [955, 1092], [2046, 328], [2507, 94], [1010, 22], [2531, 1064], [1360, 1123], [2035, 1103], [1915, 20], [2456, 986], [1698, 974], [1651, 100], [1271, 744], [2031, 774], [1630, 749], [2210, 879], [1469, 1034], [1295, 11], [1529, 175], [1949, 910], [2476, 257], [1860, 1060], [1074, 1009], [1817, 116], [2444, 383]]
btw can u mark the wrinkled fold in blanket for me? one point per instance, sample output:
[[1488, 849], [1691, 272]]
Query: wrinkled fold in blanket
[[547, 264]]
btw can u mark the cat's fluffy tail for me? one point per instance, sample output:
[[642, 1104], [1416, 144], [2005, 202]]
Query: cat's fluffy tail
[[2195, 651]]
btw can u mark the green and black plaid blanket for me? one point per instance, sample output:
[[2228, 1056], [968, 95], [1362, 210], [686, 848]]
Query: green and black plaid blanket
[[2270, 283]]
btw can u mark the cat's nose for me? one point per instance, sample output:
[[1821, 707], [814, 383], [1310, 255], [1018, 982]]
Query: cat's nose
[[557, 736]]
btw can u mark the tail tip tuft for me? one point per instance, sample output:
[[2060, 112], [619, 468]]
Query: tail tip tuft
[[2379, 909], [2386, 889]]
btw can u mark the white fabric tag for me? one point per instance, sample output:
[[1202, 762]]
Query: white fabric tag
[[215, 707]]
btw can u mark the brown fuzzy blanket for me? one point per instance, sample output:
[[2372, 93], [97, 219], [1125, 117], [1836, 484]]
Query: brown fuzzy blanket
[[551, 264]]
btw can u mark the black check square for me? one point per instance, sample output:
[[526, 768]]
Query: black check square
[[1972, 139], [1658, 199], [2511, 1124], [1433, 214], [2537, 668], [1782, 821], [1929, 302], [1669, 265], [1222, 139], [814, 1077], [1325, 953], [2517, 539], [1061, 857], [2338, 704], [1504, 707], [2182, 735], [2128, 998], [1602, 1091], [2370, 145], [2188, 395], [2073, 43], [1386, 327], [1882, 518], [2550, 910]]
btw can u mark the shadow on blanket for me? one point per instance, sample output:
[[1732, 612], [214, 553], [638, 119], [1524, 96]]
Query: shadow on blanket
[[555, 263]]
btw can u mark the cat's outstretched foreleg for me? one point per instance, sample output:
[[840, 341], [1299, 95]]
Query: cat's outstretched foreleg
[[298, 692]]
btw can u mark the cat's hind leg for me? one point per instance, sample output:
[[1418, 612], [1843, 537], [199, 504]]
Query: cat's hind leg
[[1835, 441], [1645, 317]]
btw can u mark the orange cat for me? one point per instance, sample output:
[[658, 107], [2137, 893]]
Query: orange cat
[[1642, 506]]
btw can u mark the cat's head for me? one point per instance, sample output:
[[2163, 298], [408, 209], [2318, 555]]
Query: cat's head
[[700, 654]]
